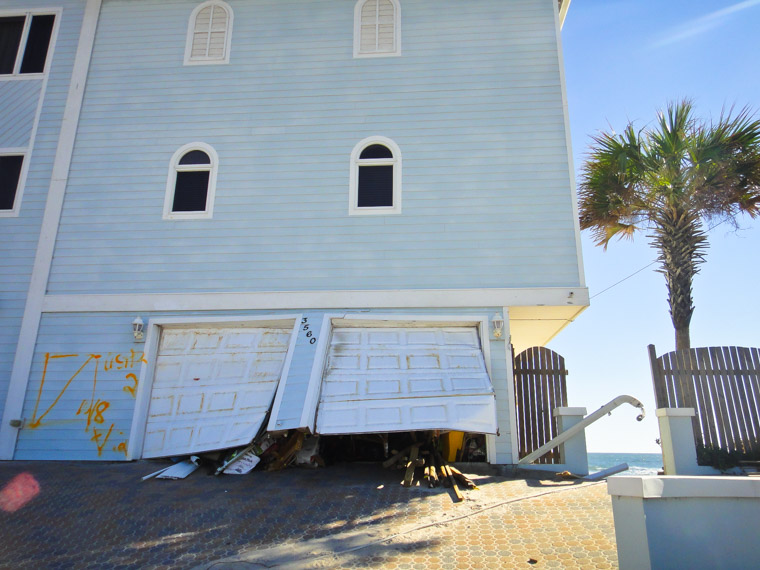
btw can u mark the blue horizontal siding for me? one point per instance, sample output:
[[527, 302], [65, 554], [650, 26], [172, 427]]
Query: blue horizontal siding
[[19, 101], [474, 102]]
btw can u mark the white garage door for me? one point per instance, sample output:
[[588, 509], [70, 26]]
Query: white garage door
[[212, 388], [398, 379]]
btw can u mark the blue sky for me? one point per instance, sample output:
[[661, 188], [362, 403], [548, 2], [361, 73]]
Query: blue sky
[[623, 61]]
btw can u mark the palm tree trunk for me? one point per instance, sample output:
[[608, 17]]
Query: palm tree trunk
[[681, 243]]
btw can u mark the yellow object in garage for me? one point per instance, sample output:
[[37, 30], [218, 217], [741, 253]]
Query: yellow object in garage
[[452, 443]]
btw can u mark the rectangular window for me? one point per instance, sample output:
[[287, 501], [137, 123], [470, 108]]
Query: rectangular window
[[10, 173], [24, 43]]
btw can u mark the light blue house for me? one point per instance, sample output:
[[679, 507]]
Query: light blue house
[[340, 210]]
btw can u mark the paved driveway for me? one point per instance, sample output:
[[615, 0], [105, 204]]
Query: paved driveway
[[80, 515]]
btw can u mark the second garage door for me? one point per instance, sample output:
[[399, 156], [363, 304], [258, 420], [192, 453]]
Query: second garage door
[[396, 379]]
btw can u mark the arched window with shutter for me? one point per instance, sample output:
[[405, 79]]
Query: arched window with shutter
[[377, 28], [191, 185], [375, 183], [209, 34]]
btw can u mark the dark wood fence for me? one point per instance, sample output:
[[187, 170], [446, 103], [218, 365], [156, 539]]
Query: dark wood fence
[[722, 384], [540, 386]]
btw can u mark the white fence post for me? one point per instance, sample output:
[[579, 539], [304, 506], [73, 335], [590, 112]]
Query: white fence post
[[573, 452], [679, 450]]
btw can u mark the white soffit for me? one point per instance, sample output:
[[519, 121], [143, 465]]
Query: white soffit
[[212, 388], [388, 379]]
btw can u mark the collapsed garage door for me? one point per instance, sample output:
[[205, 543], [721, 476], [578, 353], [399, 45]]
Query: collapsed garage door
[[397, 379], [212, 388]]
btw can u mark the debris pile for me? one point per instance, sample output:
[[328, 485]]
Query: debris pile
[[423, 464]]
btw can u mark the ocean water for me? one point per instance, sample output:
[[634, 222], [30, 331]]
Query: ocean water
[[638, 463]]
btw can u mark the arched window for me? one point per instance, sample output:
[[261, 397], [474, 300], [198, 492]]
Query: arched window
[[377, 28], [375, 186], [191, 186], [209, 34]]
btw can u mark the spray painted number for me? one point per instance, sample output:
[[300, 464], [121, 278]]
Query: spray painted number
[[305, 328]]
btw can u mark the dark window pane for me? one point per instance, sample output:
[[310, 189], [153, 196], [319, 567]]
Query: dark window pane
[[376, 151], [195, 157], [37, 44], [190, 192], [10, 36], [375, 186], [10, 172]]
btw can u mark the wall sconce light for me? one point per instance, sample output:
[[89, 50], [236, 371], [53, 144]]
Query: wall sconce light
[[498, 325], [137, 329]]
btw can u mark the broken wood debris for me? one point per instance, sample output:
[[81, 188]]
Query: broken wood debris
[[423, 465]]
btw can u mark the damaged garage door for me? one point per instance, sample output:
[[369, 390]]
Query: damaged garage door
[[398, 379], [212, 388]]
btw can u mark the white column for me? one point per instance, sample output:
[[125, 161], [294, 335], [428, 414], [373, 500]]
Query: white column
[[573, 452], [679, 450]]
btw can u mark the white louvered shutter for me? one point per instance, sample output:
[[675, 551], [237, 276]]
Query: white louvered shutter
[[378, 27], [210, 34]]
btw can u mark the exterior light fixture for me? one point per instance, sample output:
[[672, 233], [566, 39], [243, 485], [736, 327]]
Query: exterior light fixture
[[498, 325], [137, 329]]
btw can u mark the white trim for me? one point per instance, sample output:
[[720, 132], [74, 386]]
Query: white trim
[[309, 410], [569, 144], [512, 399], [29, 150], [353, 186], [684, 487], [28, 13], [301, 300], [396, 32], [277, 404], [152, 342], [171, 182], [14, 210], [30, 323], [362, 320], [191, 33]]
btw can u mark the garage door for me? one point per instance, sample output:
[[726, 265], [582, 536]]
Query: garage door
[[398, 379], [212, 388]]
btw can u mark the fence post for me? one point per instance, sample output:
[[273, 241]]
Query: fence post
[[679, 450], [573, 452], [658, 379]]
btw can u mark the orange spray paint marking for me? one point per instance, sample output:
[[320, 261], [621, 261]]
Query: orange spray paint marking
[[18, 492], [97, 434], [94, 412], [131, 389], [121, 447], [35, 423]]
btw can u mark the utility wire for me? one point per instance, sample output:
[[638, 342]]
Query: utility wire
[[643, 268]]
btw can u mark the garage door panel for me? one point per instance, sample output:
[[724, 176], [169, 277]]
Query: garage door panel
[[474, 414], [397, 379], [212, 388]]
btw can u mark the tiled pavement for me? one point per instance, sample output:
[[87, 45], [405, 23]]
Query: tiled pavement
[[101, 515]]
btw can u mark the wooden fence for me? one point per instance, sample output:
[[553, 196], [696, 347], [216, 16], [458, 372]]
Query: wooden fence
[[540, 386], [722, 384]]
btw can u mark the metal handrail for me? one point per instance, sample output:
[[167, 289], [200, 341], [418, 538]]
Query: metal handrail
[[581, 425]]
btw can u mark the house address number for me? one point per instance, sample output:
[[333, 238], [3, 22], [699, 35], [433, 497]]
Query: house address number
[[309, 333]]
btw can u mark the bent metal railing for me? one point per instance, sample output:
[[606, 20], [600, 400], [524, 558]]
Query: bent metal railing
[[722, 384], [583, 424]]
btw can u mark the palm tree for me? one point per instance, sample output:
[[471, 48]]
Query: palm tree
[[671, 180]]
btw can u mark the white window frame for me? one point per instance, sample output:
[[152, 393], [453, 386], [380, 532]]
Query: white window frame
[[16, 75], [171, 182], [358, 53], [23, 152], [356, 162], [189, 60]]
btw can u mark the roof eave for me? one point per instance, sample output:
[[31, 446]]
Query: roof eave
[[564, 6]]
